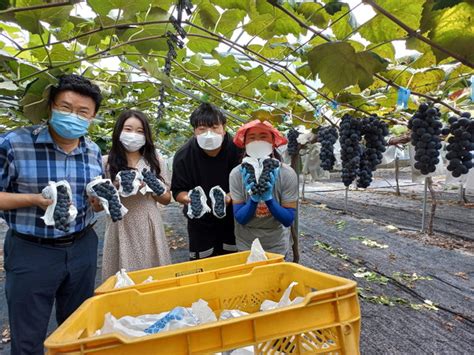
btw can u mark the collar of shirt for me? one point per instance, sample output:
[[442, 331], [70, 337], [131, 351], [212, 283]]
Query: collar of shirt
[[42, 135]]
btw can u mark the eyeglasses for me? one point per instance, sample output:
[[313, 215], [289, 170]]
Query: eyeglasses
[[83, 112]]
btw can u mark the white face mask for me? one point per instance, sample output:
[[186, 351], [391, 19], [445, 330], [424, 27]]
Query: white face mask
[[259, 149], [132, 142], [209, 140]]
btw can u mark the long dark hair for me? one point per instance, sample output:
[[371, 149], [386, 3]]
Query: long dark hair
[[118, 155]]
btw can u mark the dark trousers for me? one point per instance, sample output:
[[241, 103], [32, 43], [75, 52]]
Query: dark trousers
[[36, 275], [210, 240]]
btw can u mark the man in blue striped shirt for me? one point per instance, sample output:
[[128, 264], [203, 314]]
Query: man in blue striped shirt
[[44, 264]]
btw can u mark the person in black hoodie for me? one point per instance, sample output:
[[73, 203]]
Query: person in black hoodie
[[206, 160]]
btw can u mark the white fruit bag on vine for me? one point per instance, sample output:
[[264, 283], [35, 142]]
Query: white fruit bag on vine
[[312, 162], [51, 192], [469, 183], [198, 206], [416, 175], [217, 196], [109, 198], [129, 182]]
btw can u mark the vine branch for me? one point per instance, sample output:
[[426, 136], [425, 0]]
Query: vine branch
[[417, 35], [37, 7]]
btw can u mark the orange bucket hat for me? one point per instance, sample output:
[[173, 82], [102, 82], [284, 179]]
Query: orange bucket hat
[[278, 138]]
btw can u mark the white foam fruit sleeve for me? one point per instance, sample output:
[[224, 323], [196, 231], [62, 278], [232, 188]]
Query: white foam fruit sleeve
[[213, 200], [51, 192], [105, 204], [145, 189], [137, 181], [205, 207]]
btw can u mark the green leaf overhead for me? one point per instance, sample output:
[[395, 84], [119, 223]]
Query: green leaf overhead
[[386, 50], [398, 76], [267, 21], [314, 13], [353, 68], [232, 4], [197, 43], [208, 14], [452, 28], [127, 8], [277, 47], [229, 67], [30, 20], [380, 28], [35, 100], [428, 81], [342, 22], [229, 21]]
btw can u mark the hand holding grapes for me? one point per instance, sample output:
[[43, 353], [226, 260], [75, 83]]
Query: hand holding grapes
[[95, 203], [263, 190], [268, 194], [42, 202], [248, 176]]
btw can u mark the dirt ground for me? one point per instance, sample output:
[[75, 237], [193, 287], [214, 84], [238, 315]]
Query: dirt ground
[[416, 291]]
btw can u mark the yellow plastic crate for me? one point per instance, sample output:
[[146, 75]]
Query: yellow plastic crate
[[189, 272], [327, 321]]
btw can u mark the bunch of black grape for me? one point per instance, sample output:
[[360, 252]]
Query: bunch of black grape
[[261, 187], [327, 136], [425, 128], [152, 181], [219, 203], [126, 180], [365, 170], [374, 132], [460, 144], [196, 204], [61, 211], [107, 191], [292, 141], [351, 150], [251, 171]]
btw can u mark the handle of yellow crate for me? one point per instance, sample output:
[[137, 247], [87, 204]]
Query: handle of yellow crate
[[189, 272], [351, 340]]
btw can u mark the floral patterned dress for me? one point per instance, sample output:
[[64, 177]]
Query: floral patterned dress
[[138, 241]]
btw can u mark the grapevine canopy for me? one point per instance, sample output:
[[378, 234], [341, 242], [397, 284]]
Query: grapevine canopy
[[311, 61]]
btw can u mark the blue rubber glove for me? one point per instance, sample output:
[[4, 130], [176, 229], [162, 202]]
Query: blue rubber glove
[[268, 195], [245, 179], [274, 175], [255, 198]]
